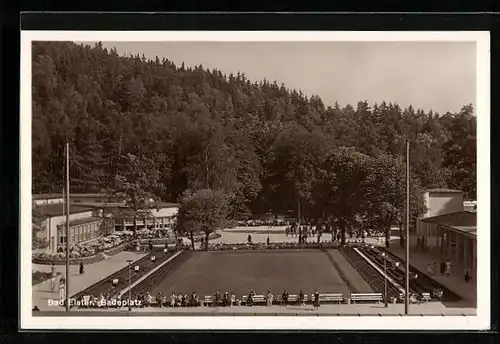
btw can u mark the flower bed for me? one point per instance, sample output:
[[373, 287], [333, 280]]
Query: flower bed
[[163, 241], [49, 259], [76, 258], [275, 246], [40, 276]]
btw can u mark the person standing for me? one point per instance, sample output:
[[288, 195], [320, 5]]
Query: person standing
[[269, 298], [284, 298], [429, 270], [62, 289], [301, 298], [316, 299], [81, 269], [250, 299], [217, 299], [448, 268], [173, 298], [233, 299], [466, 275]]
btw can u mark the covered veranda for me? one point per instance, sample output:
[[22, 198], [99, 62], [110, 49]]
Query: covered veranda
[[451, 236]]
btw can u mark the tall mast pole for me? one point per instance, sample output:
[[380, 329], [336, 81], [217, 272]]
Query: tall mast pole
[[407, 241], [67, 227]]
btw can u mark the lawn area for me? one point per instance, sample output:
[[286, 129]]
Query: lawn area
[[40, 276], [238, 272]]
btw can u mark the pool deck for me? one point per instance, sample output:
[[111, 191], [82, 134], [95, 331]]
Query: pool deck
[[429, 309]]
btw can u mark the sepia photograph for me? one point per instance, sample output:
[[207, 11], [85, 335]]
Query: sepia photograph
[[262, 180]]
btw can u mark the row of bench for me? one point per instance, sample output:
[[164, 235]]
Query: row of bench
[[325, 298], [261, 300], [368, 272], [151, 281]]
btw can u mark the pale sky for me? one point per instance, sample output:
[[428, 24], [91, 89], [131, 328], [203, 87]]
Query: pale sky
[[430, 75]]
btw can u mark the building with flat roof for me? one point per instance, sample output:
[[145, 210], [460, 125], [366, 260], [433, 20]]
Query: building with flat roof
[[162, 215], [85, 225], [451, 236], [441, 201]]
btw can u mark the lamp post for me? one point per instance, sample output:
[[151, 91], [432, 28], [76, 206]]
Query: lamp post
[[269, 226], [385, 279], [129, 284]]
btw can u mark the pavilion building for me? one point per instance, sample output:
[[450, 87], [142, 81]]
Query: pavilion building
[[450, 231]]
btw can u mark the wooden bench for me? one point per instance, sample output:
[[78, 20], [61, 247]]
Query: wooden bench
[[208, 300], [413, 297], [330, 298], [426, 297], [367, 297], [86, 302], [259, 299], [256, 299]]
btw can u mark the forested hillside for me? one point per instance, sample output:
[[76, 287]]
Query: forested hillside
[[263, 142]]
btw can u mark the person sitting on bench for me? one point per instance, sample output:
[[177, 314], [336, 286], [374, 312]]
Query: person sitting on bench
[[178, 301], [225, 300], [159, 299], [192, 300], [173, 299]]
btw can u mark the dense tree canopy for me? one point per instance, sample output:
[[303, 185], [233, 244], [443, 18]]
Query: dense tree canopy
[[267, 146], [203, 211]]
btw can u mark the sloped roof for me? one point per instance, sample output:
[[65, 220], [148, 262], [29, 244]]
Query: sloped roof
[[443, 190], [122, 205], [82, 221], [462, 221], [72, 195], [57, 209]]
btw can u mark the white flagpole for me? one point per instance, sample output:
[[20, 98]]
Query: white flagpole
[[67, 227], [407, 241]]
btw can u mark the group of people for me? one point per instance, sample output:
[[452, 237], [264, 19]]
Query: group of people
[[269, 298], [219, 299], [445, 270], [175, 300]]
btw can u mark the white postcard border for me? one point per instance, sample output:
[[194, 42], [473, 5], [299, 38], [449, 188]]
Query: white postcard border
[[480, 321]]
